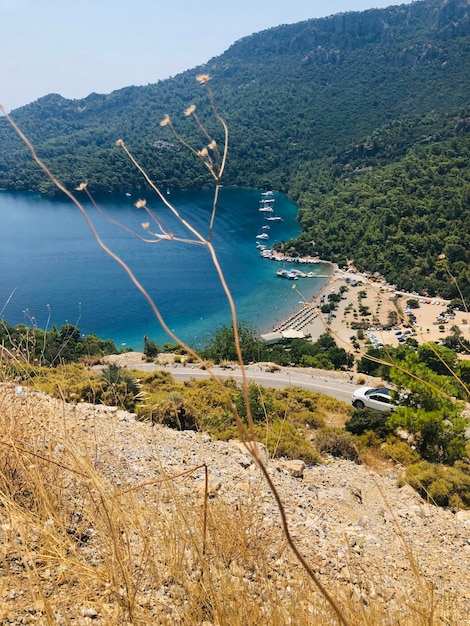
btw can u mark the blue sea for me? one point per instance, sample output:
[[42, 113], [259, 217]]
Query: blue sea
[[52, 271]]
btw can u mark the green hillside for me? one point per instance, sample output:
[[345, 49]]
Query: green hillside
[[406, 217], [290, 94], [362, 117]]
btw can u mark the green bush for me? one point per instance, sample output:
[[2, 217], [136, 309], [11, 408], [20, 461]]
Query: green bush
[[440, 484], [70, 382], [282, 439], [400, 451], [311, 419], [121, 387], [368, 419], [337, 442], [151, 349]]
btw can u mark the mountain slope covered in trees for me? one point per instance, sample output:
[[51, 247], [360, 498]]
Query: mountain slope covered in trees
[[290, 94], [362, 117], [406, 217]]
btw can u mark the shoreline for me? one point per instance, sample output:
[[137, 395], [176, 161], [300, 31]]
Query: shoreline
[[381, 299], [303, 317]]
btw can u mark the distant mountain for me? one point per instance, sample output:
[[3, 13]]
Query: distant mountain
[[306, 104], [290, 94]]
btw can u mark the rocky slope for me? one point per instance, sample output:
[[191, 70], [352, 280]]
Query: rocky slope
[[353, 524]]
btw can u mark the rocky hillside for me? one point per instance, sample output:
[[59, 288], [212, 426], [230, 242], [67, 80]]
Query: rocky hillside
[[365, 538], [291, 95]]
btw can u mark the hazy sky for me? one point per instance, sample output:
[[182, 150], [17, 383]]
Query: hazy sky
[[76, 47]]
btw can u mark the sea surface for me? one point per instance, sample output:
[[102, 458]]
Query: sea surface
[[52, 271]]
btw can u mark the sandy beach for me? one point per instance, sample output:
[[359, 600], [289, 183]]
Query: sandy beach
[[379, 298]]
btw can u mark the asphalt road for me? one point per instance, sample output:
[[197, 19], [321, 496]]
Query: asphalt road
[[335, 384]]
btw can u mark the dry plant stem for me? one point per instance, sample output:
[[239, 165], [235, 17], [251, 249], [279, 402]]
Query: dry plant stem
[[214, 209], [102, 245], [116, 223], [7, 302], [17, 448], [206, 496], [147, 483], [45, 332], [181, 139], [191, 229], [250, 444], [293, 547], [220, 274], [455, 282], [225, 127], [14, 358], [233, 311]]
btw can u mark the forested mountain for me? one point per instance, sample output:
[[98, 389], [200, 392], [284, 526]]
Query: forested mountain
[[407, 217], [353, 115]]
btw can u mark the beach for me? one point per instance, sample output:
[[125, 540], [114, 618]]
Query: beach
[[380, 299]]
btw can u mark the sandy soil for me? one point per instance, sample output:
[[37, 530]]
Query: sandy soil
[[379, 299]]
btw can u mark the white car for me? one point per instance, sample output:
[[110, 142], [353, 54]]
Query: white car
[[379, 398]]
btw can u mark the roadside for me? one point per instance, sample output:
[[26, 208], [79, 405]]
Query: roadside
[[337, 384]]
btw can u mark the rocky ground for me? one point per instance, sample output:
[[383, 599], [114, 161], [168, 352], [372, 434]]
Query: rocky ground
[[353, 524]]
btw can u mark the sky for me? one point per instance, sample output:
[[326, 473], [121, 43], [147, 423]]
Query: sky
[[76, 47]]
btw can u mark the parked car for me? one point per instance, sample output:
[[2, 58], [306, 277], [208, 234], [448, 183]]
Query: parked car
[[379, 398]]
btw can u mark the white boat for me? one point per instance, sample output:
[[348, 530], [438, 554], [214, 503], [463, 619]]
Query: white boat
[[265, 204], [267, 193], [266, 209], [262, 236], [274, 218], [289, 274]]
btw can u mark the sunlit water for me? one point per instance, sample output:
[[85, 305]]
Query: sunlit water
[[52, 271]]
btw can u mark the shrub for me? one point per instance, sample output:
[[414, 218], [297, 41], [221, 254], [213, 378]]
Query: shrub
[[308, 418], [151, 349], [173, 410], [368, 419], [282, 439], [369, 439], [121, 387], [400, 451], [442, 485], [70, 382], [337, 442]]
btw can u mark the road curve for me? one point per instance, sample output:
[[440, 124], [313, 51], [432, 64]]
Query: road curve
[[335, 384]]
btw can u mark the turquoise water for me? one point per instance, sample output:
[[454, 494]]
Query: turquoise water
[[53, 272]]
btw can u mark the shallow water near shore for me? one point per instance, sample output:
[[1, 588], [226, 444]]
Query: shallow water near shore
[[52, 271]]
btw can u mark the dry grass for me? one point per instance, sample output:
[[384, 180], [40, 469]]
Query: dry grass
[[82, 543]]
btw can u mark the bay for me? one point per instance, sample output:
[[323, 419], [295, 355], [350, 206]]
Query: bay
[[52, 271]]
